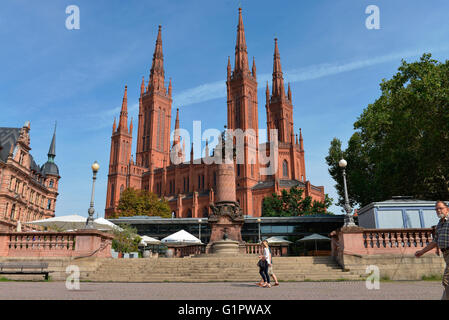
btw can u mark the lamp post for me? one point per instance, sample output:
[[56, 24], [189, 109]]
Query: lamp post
[[349, 221], [91, 211], [199, 228], [259, 220]]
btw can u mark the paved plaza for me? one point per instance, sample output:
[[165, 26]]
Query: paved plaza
[[351, 290]]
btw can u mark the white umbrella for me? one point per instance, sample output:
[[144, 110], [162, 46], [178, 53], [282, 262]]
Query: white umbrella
[[273, 240], [181, 236]]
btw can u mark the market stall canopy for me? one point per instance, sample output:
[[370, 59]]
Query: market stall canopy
[[149, 240], [73, 222], [181, 236]]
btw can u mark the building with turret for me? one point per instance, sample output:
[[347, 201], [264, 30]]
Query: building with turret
[[27, 191], [189, 186]]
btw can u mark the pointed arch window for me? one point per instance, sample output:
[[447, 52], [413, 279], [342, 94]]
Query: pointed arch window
[[250, 111], [285, 168], [237, 112], [158, 137]]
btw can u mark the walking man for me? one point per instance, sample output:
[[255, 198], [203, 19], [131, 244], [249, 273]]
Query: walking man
[[441, 240]]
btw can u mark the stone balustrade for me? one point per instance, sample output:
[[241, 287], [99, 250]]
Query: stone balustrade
[[55, 244], [180, 251], [277, 250], [392, 251]]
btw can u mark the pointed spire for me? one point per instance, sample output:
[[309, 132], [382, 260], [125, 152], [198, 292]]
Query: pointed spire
[[254, 68], [267, 93], [123, 122], [176, 137], [297, 139], [241, 56], [131, 127], [52, 151], [142, 87], [301, 143], [207, 149], [289, 93], [114, 126], [278, 80], [157, 74], [229, 68], [169, 88]]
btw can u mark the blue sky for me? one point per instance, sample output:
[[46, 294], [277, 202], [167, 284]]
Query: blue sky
[[77, 77]]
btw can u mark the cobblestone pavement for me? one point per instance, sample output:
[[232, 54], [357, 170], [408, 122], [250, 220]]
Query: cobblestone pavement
[[353, 290]]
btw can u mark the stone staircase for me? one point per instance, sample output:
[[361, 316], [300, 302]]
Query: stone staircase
[[209, 268]]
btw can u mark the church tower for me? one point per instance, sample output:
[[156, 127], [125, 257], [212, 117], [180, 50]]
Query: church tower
[[242, 114], [121, 143], [153, 141], [279, 106]]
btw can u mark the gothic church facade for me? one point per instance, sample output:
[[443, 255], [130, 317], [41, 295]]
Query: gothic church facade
[[189, 186]]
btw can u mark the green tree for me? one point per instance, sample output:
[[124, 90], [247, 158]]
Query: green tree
[[125, 239], [141, 203], [292, 203], [401, 143]]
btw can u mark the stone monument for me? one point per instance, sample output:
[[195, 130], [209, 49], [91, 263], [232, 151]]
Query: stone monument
[[226, 219]]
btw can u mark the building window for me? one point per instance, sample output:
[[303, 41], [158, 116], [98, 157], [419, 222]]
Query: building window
[[13, 211], [238, 170], [189, 213], [112, 195], [250, 111], [285, 168], [205, 212], [49, 205], [51, 183], [237, 113], [6, 209]]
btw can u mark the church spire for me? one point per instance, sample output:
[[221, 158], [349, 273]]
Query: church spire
[[157, 75], [241, 55], [123, 122], [278, 80], [142, 87], [254, 68], [176, 137], [52, 150], [301, 143]]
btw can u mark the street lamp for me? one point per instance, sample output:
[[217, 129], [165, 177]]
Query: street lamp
[[349, 221], [90, 219], [199, 229], [259, 220]]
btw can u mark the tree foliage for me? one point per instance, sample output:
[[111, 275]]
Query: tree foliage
[[125, 239], [401, 143], [292, 203], [141, 203]]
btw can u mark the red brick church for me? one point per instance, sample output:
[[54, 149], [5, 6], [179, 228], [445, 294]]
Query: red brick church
[[189, 186]]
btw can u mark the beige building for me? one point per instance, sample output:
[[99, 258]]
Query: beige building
[[27, 191]]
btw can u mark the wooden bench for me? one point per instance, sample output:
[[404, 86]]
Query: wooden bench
[[24, 268]]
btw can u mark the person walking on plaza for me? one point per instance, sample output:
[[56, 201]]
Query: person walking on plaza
[[268, 257], [263, 270], [441, 240]]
